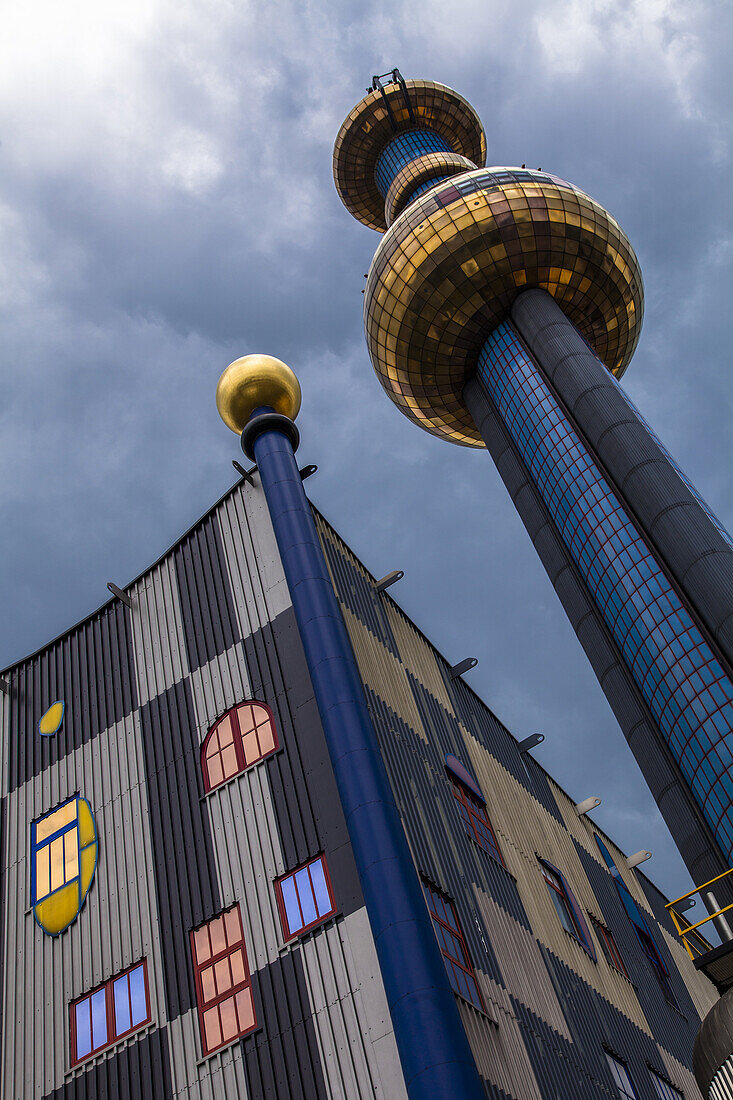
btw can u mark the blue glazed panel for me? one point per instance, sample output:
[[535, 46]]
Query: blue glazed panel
[[680, 679], [403, 149]]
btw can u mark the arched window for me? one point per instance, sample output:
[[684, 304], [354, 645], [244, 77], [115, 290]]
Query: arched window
[[472, 808], [241, 737]]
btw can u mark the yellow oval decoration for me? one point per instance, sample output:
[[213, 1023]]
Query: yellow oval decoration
[[64, 850], [50, 722]]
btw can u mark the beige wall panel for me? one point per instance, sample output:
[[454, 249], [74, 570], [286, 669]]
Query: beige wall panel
[[522, 966], [417, 655], [500, 1053], [680, 1076], [383, 673], [524, 828]]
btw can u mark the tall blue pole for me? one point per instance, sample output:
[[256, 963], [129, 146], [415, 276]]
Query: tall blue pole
[[436, 1057]]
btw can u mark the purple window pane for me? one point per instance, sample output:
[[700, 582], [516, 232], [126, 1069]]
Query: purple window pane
[[83, 1029], [122, 1006], [305, 893], [320, 888], [137, 995], [99, 1019], [290, 900]]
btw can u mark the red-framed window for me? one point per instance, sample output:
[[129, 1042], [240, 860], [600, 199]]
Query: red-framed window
[[561, 902], [110, 1012], [305, 897], [475, 819], [244, 735], [650, 950], [608, 946], [453, 945], [223, 984]]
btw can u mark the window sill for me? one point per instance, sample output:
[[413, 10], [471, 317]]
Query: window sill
[[581, 945], [479, 1011], [626, 978], [95, 1059], [288, 945], [494, 860], [206, 1058], [245, 771]]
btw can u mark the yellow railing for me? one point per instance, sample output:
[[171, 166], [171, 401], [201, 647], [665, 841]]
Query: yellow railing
[[693, 940]]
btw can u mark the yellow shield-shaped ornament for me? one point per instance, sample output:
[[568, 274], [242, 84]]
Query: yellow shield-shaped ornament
[[63, 860]]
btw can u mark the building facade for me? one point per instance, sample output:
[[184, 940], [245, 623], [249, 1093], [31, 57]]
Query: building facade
[[222, 945]]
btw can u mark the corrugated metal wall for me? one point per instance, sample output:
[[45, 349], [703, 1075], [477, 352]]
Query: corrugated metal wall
[[210, 624], [556, 1009]]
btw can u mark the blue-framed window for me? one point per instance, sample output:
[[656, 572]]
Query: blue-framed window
[[664, 1090], [621, 1077], [640, 925], [568, 911]]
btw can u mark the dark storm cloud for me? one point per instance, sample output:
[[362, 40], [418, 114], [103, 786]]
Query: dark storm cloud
[[168, 205]]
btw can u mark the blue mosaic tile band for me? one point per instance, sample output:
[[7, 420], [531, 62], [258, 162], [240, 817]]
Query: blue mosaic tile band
[[680, 679], [403, 149]]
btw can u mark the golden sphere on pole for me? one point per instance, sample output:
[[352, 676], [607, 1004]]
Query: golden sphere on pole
[[251, 382]]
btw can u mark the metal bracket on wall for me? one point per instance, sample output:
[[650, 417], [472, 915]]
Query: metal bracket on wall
[[245, 474], [530, 742], [306, 471], [683, 906], [637, 858], [119, 594], [4, 685], [463, 666], [587, 805], [391, 578]]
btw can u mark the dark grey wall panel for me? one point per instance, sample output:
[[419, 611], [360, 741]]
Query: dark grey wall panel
[[184, 866], [691, 544], [92, 669], [283, 1060], [141, 1069], [206, 600]]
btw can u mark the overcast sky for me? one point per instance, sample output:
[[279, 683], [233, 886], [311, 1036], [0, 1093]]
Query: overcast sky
[[167, 205]]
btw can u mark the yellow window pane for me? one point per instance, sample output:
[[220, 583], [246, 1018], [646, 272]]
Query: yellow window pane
[[238, 974], [55, 821], [234, 932], [266, 736], [43, 873], [201, 943], [212, 1031], [71, 855], [228, 1015], [218, 939], [226, 735], [207, 984], [251, 747], [57, 863], [245, 1010], [223, 976], [229, 762], [216, 771]]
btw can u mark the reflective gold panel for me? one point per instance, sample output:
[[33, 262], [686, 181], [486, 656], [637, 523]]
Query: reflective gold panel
[[377, 118], [447, 271]]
